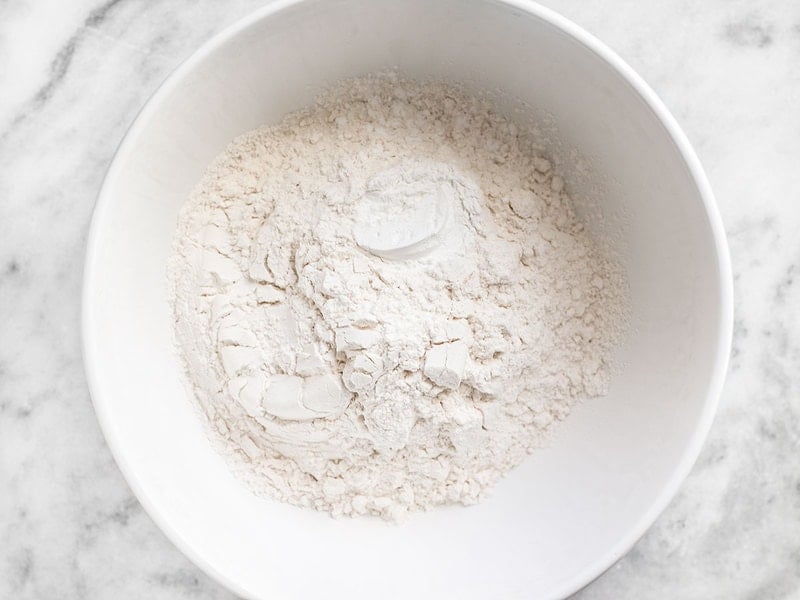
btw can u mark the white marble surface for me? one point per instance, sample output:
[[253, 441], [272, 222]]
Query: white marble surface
[[73, 74]]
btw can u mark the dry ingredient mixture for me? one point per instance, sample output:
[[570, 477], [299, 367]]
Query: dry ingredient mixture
[[386, 301]]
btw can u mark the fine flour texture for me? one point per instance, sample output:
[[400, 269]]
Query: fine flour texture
[[386, 301]]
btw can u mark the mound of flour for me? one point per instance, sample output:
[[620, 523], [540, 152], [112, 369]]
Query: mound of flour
[[386, 301]]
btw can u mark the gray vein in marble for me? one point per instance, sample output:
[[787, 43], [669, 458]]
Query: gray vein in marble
[[60, 65], [749, 31]]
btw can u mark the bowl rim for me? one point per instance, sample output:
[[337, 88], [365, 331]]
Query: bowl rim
[[674, 131]]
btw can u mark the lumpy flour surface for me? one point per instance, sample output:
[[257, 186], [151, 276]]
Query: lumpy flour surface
[[385, 302]]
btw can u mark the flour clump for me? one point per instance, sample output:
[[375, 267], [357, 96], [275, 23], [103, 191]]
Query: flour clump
[[386, 301]]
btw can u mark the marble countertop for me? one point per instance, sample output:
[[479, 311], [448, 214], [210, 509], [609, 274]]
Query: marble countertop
[[73, 74]]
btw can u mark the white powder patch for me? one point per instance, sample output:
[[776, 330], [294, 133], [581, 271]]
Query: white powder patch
[[386, 301]]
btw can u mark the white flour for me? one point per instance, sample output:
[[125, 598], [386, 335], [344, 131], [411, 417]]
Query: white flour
[[386, 301]]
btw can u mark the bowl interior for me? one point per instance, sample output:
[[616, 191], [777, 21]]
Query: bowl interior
[[572, 508]]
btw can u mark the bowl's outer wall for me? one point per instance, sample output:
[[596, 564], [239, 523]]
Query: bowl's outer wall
[[571, 509]]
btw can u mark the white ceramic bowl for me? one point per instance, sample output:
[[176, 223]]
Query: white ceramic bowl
[[571, 510]]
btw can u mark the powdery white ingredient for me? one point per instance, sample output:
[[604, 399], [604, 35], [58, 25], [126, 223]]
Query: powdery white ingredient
[[386, 301]]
